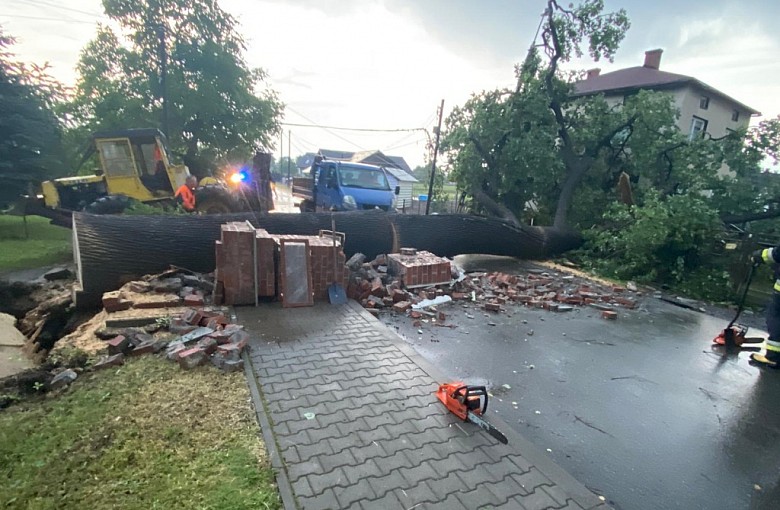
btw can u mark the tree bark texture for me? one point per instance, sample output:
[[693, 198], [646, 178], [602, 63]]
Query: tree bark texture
[[112, 250]]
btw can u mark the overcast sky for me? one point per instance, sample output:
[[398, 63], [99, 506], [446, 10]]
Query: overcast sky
[[386, 64]]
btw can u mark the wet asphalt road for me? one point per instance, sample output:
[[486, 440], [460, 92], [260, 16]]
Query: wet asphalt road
[[640, 410]]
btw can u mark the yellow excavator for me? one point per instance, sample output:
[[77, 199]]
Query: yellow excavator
[[134, 166]]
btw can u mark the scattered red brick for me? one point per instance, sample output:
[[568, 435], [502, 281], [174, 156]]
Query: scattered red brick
[[191, 358], [193, 300], [402, 306], [118, 344], [609, 315], [492, 307]]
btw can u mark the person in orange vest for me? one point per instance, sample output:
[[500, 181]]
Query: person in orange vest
[[185, 194]]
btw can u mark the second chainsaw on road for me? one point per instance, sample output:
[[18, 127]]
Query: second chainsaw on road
[[469, 403]]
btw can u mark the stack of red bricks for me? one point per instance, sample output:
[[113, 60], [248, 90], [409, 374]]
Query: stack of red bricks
[[419, 268], [235, 254]]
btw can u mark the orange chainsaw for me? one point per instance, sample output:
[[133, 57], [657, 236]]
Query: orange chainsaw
[[469, 403], [735, 335]]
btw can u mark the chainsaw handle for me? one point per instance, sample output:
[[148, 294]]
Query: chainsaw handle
[[472, 391]]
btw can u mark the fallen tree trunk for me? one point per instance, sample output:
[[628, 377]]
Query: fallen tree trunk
[[111, 250]]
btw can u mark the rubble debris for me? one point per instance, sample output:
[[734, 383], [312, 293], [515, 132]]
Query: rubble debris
[[58, 273], [356, 261], [191, 358], [109, 361], [419, 268], [492, 292], [64, 378], [118, 344]]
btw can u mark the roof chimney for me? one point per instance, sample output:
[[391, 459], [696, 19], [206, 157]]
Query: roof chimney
[[592, 73], [653, 58]]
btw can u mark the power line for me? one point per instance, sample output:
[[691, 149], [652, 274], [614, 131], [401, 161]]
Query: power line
[[41, 18], [371, 130], [413, 142], [43, 4], [328, 130]]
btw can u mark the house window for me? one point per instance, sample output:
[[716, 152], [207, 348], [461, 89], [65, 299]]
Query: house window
[[698, 128], [735, 116], [704, 102]]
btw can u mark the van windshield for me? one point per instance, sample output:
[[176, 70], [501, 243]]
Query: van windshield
[[367, 178]]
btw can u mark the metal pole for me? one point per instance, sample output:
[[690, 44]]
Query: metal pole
[[254, 258], [162, 54], [281, 153], [433, 163], [289, 177]]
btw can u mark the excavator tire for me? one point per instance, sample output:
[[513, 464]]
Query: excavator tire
[[109, 204]]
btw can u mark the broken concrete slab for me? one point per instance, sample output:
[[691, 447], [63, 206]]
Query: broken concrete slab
[[9, 335], [195, 335], [64, 378]]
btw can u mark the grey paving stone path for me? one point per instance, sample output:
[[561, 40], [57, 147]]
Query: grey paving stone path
[[355, 423]]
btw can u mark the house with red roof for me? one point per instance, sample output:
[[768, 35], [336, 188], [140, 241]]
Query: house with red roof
[[703, 109]]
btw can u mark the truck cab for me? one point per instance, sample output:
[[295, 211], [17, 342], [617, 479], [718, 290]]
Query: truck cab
[[344, 186]]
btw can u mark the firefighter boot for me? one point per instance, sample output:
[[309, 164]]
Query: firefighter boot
[[769, 358]]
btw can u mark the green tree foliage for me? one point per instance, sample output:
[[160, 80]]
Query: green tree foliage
[[219, 109], [540, 152], [423, 174], [30, 134]]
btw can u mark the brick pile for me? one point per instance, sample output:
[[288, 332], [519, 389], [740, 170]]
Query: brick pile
[[173, 288], [419, 268], [235, 262], [201, 335], [380, 288], [235, 255], [376, 286], [547, 290], [157, 308]]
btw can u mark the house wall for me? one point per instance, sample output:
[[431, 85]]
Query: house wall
[[718, 113]]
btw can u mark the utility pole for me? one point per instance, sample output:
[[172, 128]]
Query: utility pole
[[162, 55], [281, 152], [433, 163], [289, 176]]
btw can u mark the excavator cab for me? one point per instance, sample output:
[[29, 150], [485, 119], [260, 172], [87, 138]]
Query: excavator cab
[[134, 166], [135, 163]]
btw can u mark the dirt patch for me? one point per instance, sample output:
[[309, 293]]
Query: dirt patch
[[83, 338]]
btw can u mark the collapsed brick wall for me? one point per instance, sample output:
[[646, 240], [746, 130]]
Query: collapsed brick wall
[[419, 268], [235, 261]]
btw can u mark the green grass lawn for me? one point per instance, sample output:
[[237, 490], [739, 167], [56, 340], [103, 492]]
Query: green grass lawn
[[421, 188], [146, 435], [44, 245]]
